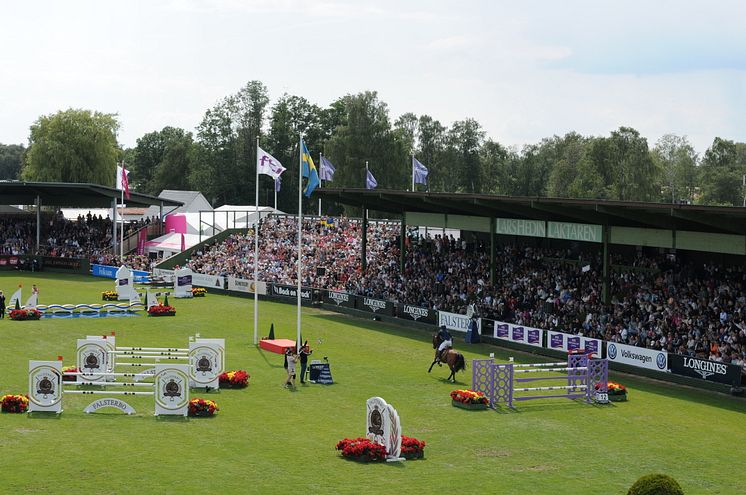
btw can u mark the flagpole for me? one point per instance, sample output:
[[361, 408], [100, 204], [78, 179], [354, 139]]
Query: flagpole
[[121, 230], [412, 172], [275, 194], [256, 245], [300, 224], [366, 183], [321, 156]]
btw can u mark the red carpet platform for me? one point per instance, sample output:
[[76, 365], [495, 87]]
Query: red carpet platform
[[277, 346]]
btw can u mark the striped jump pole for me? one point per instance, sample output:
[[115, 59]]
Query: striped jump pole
[[149, 353], [116, 384], [559, 387], [106, 392], [166, 358], [161, 349], [536, 365], [108, 373], [141, 365], [544, 370]]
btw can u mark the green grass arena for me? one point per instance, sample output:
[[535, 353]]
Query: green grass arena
[[267, 439]]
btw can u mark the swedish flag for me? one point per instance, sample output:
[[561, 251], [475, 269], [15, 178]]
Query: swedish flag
[[309, 170]]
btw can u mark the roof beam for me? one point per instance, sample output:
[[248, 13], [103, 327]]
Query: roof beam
[[642, 219], [709, 221]]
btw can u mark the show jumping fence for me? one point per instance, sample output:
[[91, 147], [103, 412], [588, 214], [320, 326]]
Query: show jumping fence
[[502, 383]]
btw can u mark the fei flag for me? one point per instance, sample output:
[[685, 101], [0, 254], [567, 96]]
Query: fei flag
[[370, 181], [267, 164], [419, 172], [309, 170], [327, 169], [122, 182]]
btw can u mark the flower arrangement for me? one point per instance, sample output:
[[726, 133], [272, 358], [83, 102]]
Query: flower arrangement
[[234, 379], [69, 369], [109, 295], [14, 403], [469, 397], [617, 392], [361, 449], [199, 292], [411, 448], [161, 310], [202, 407], [24, 314]]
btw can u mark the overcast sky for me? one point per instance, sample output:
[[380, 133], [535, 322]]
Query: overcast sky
[[523, 69]]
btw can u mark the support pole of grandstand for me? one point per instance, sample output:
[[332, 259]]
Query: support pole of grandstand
[[605, 293], [160, 220], [38, 222], [114, 226], [364, 244], [402, 243], [300, 227], [256, 243], [493, 267], [200, 226]]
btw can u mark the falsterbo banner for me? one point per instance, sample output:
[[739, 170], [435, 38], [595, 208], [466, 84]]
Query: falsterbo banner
[[560, 341], [457, 322], [637, 356], [518, 333]]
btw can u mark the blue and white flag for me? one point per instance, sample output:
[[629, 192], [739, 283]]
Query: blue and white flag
[[327, 169], [419, 172], [370, 181]]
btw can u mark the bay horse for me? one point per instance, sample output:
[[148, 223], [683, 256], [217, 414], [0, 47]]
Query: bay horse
[[454, 359]]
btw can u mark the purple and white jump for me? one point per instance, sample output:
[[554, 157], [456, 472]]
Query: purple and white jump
[[498, 381]]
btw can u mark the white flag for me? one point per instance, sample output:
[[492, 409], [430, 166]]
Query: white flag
[[15, 297], [268, 165], [586, 268]]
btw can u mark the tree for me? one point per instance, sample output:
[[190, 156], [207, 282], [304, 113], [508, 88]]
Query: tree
[[570, 155], [161, 160], [225, 156], [73, 146], [677, 162], [431, 136], [11, 160], [721, 173], [464, 140]]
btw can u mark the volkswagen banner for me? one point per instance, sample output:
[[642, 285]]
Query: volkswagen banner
[[637, 356], [729, 374]]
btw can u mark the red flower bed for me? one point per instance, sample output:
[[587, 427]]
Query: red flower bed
[[24, 314], [411, 448], [234, 379], [361, 449], [14, 403], [161, 310]]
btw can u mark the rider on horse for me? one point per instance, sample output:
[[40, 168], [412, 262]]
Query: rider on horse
[[446, 342]]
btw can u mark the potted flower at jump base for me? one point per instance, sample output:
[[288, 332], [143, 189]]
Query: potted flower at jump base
[[411, 448], [617, 392], [361, 450], [14, 403], [109, 295], [199, 292], [162, 309], [24, 314], [203, 408], [469, 399], [234, 379]]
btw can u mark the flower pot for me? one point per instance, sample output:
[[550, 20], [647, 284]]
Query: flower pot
[[472, 407], [164, 313], [618, 398], [415, 455]]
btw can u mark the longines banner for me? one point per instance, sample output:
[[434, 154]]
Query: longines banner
[[243, 285], [339, 298], [409, 312], [560, 341], [518, 333], [637, 356], [377, 306], [454, 321], [729, 374], [291, 291]]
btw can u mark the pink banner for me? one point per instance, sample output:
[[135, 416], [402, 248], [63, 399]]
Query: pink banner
[[141, 240]]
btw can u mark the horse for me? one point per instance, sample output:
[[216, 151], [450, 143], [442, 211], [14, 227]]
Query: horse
[[454, 359]]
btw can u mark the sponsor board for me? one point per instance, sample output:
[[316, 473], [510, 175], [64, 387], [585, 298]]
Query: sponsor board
[[243, 285], [290, 291], [416, 313], [59, 263], [104, 271], [637, 356], [712, 371], [457, 322], [117, 404], [378, 306], [202, 280], [560, 341], [339, 298], [518, 333]]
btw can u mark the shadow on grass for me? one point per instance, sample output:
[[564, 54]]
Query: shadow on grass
[[44, 415], [262, 354]]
